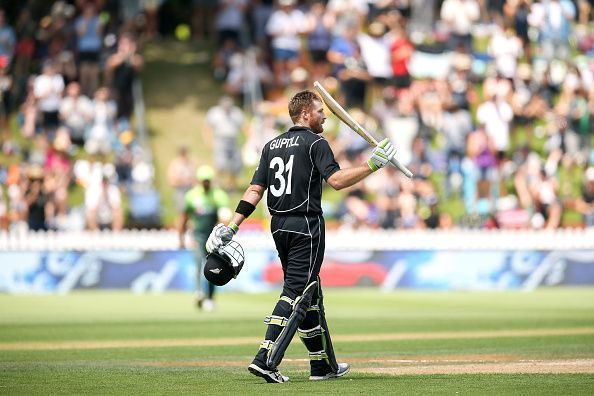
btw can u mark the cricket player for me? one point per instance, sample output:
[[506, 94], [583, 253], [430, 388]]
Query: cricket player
[[291, 169], [203, 204]]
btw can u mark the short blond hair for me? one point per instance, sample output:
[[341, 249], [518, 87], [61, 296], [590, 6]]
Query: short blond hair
[[301, 101]]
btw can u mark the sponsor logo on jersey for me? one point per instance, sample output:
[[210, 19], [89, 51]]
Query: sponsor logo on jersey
[[284, 143]]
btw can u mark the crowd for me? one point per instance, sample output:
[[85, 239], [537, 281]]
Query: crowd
[[490, 103], [67, 71]]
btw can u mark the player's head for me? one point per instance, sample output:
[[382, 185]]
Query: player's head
[[204, 175], [306, 108]]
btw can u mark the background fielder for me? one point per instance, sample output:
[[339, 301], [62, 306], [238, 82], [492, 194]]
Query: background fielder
[[203, 205], [292, 167]]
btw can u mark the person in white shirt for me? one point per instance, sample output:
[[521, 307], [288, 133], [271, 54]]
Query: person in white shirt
[[459, 16], [285, 26], [496, 114], [76, 111], [103, 206], [48, 88]]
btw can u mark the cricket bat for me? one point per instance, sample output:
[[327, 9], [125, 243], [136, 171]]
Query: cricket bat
[[345, 117]]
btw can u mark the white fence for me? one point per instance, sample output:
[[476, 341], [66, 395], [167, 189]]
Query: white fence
[[151, 240]]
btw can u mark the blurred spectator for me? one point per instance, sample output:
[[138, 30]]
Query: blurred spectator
[[496, 114], [58, 175], [375, 53], [89, 31], [180, 175], [319, 26], [459, 17], [401, 50], [285, 26], [48, 88], [6, 82], [203, 17], [100, 134], [553, 21], [35, 199], [7, 39], [585, 203], [348, 66], [548, 208], [224, 124], [229, 20], [76, 112], [121, 69], [25, 47], [103, 206]]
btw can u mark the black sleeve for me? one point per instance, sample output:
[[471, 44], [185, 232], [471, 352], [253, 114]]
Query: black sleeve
[[261, 174], [323, 158]]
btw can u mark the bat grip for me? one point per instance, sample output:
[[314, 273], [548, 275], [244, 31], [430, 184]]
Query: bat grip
[[401, 167]]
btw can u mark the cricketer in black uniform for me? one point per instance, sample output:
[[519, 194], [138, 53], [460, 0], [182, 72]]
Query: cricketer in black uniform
[[292, 169]]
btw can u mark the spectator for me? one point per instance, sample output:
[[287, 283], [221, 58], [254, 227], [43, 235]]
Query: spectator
[[285, 26], [203, 17], [89, 31], [229, 20], [76, 113], [585, 203], [7, 39], [401, 50], [349, 67], [496, 114], [48, 88], [100, 134], [320, 24], [375, 53], [180, 175], [58, 175], [459, 17], [224, 124], [103, 206], [35, 199], [555, 28], [122, 68]]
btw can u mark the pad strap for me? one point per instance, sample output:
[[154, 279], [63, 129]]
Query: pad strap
[[319, 355], [288, 300], [266, 344], [311, 333], [275, 320]]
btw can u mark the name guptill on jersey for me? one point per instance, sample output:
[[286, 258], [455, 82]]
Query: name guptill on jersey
[[284, 142]]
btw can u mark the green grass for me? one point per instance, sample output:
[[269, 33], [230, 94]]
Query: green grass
[[157, 367]]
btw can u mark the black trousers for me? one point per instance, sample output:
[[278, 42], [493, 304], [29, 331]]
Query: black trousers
[[300, 242]]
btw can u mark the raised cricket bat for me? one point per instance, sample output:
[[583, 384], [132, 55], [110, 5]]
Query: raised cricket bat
[[354, 125]]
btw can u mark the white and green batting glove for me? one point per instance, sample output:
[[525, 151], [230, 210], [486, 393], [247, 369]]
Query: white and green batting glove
[[220, 236], [382, 154]]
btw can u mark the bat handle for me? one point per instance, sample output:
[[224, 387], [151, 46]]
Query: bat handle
[[401, 167]]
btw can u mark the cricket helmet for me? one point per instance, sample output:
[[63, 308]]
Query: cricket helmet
[[224, 264]]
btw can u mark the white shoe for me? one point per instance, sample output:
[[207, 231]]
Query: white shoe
[[343, 369], [208, 305], [269, 375]]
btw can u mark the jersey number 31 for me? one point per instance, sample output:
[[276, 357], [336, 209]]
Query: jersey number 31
[[281, 168]]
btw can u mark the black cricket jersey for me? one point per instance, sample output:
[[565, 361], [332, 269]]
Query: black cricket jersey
[[291, 167]]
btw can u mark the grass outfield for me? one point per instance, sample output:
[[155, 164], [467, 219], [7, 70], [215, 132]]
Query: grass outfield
[[398, 343]]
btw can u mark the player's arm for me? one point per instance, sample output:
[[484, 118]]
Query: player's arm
[[382, 154], [222, 234]]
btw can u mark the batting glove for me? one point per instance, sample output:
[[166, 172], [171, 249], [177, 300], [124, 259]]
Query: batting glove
[[220, 236], [382, 154]]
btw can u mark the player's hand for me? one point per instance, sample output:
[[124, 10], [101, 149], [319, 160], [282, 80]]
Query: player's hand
[[220, 236], [382, 154]]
